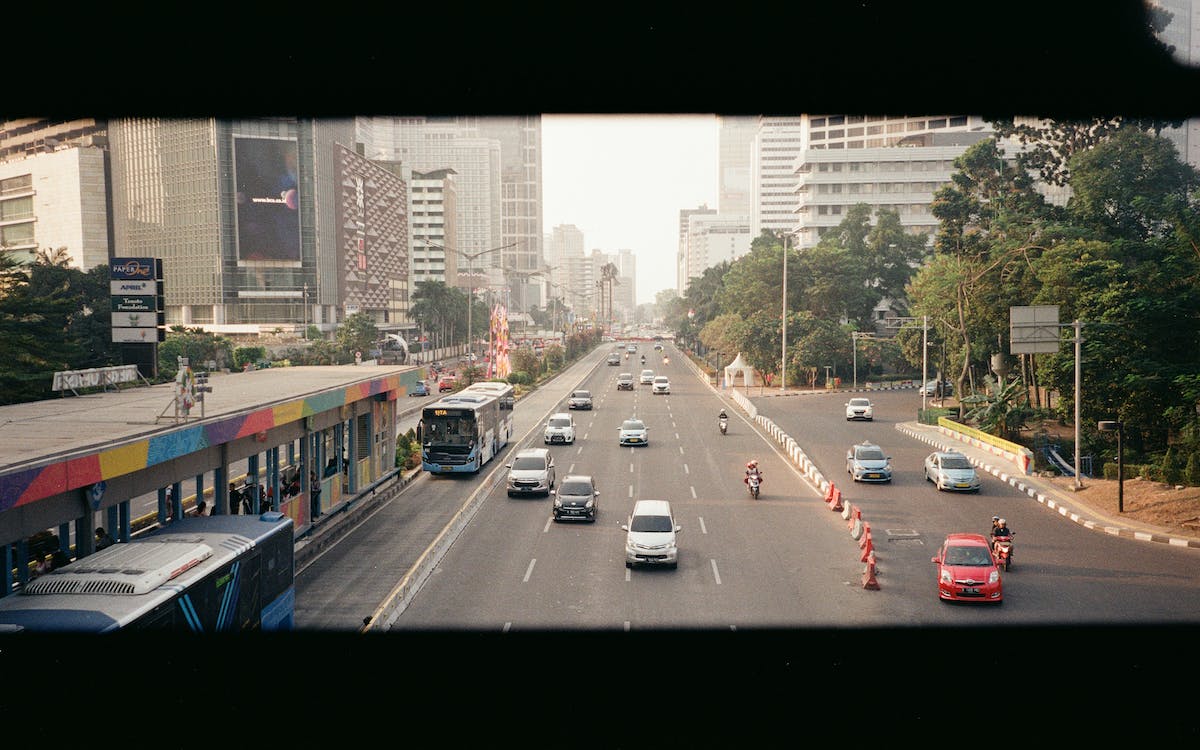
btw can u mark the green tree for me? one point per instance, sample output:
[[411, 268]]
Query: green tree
[[38, 302], [198, 345], [1002, 410], [357, 333]]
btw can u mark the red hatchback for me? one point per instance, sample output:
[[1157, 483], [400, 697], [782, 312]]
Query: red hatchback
[[447, 383], [967, 570]]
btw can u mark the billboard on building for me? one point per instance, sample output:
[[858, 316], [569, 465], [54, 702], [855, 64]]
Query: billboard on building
[[268, 216]]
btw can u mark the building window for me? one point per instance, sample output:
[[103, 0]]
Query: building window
[[818, 122], [837, 120]]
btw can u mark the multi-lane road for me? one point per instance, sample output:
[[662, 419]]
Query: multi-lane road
[[784, 561]]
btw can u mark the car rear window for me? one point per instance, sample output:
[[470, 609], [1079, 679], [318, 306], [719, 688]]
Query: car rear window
[[651, 523]]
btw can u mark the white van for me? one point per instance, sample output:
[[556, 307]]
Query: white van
[[650, 535]]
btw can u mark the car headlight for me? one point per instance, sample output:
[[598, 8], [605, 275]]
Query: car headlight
[[995, 576], [590, 503], [557, 502], [947, 578]]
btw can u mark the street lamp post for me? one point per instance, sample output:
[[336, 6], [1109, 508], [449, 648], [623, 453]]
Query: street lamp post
[[1119, 427], [783, 353], [471, 289]]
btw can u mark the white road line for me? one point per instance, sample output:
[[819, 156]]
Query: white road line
[[627, 621], [703, 528], [507, 625], [571, 469], [631, 490], [716, 574], [630, 468], [529, 570], [693, 492], [549, 523], [685, 469]]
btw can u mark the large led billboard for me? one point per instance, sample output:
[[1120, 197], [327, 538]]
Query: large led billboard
[[268, 219]]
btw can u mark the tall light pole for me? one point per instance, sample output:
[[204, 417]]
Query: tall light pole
[[783, 353], [471, 289]]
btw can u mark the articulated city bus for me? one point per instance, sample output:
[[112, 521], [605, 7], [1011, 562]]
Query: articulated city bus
[[206, 574], [462, 432]]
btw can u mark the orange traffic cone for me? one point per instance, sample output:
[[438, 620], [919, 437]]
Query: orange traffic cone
[[869, 581]]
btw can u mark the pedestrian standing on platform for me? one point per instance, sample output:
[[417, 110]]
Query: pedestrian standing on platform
[[235, 499], [201, 507]]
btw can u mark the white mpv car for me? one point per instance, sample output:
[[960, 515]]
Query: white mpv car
[[560, 428], [650, 535]]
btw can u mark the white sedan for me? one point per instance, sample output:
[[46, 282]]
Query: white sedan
[[661, 385], [951, 470]]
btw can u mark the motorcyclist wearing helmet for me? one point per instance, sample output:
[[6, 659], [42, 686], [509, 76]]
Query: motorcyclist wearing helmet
[[722, 415], [643, 359], [995, 523], [1001, 531], [753, 470]]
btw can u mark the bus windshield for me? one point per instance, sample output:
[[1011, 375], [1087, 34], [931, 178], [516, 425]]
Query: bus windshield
[[449, 430]]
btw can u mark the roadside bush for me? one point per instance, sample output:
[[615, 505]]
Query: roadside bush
[[1192, 474], [251, 354], [520, 377], [1172, 467]]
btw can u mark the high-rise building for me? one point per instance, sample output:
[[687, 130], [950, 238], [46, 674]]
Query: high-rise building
[[432, 200], [716, 238], [735, 165], [685, 270], [244, 214], [777, 144], [1183, 33], [895, 163]]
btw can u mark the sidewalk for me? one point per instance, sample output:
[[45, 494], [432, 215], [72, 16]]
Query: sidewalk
[[1045, 492]]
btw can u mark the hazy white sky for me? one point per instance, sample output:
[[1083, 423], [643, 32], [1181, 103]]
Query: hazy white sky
[[623, 179]]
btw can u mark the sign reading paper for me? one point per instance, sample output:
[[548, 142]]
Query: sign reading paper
[[124, 303], [138, 269]]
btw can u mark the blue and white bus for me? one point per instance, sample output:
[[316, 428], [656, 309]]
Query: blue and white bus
[[207, 574], [462, 432]]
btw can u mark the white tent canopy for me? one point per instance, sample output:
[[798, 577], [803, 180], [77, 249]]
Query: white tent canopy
[[738, 365]]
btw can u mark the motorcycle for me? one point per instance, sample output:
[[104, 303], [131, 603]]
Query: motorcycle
[[723, 424], [1003, 547], [753, 483]]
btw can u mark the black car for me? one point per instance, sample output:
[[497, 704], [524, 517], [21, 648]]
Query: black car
[[575, 499], [580, 400]]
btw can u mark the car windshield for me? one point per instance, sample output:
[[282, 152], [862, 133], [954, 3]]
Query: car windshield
[[560, 422], [633, 425], [955, 462], [859, 402], [869, 454], [575, 488], [967, 556], [661, 379], [651, 523], [581, 394], [527, 463]]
